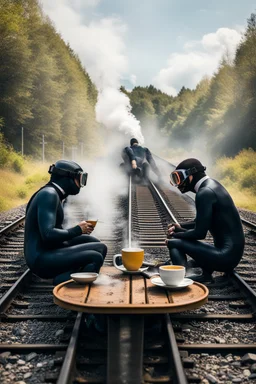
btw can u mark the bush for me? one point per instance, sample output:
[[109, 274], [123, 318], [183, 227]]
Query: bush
[[22, 192], [4, 155], [9, 158], [18, 164], [248, 179], [36, 178], [238, 175], [226, 168]]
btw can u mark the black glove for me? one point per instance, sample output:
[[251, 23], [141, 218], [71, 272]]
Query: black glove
[[176, 230]]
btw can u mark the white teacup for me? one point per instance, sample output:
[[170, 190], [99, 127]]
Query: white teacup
[[172, 274]]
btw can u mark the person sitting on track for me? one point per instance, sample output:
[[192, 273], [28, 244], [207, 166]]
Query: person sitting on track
[[51, 251], [137, 160], [215, 212]]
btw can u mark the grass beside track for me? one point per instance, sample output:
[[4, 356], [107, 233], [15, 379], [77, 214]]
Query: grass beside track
[[16, 188]]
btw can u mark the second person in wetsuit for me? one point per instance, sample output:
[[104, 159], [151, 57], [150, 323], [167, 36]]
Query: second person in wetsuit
[[216, 213], [137, 160], [51, 251]]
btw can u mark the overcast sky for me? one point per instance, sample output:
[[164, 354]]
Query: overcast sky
[[167, 43]]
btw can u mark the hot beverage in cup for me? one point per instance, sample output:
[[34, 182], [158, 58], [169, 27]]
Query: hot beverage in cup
[[172, 274], [92, 222], [132, 258]]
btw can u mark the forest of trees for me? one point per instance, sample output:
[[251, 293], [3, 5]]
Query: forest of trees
[[220, 112], [43, 85]]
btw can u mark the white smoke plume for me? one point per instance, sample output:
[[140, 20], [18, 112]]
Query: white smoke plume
[[113, 110], [100, 47]]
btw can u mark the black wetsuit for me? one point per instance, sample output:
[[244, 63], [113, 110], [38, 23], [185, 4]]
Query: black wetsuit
[[51, 250], [215, 212], [143, 158]]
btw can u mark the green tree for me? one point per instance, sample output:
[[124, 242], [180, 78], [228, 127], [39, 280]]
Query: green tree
[[15, 75]]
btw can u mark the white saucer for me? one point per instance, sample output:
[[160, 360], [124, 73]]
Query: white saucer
[[84, 277], [124, 270], [159, 282]]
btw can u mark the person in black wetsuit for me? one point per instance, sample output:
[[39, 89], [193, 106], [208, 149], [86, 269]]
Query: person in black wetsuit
[[137, 160], [216, 213], [51, 251]]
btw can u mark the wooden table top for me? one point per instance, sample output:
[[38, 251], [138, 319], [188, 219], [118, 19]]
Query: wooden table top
[[116, 293]]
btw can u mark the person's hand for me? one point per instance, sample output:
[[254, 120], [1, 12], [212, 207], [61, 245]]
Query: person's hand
[[87, 228], [134, 164], [172, 228], [166, 241]]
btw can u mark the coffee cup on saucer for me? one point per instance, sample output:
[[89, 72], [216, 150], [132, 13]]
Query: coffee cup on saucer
[[132, 258], [172, 274]]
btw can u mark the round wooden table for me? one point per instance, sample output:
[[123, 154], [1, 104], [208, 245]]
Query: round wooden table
[[117, 293], [126, 299]]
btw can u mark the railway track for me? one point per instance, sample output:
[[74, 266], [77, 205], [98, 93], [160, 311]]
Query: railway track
[[176, 350]]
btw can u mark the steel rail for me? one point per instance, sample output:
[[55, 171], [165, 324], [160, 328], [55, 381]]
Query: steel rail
[[14, 318], [244, 287], [249, 224], [205, 317], [25, 348], [163, 203], [67, 369], [12, 226], [218, 348], [5, 301], [178, 369]]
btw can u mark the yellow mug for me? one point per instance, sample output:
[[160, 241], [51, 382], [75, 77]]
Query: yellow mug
[[132, 258]]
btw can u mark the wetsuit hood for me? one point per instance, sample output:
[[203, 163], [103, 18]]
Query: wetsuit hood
[[187, 185], [133, 141], [67, 183]]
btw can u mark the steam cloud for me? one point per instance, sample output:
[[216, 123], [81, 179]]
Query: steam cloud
[[113, 110], [101, 48]]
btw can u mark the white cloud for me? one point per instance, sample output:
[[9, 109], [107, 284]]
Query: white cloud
[[199, 58], [221, 40], [49, 4], [133, 79], [86, 3]]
